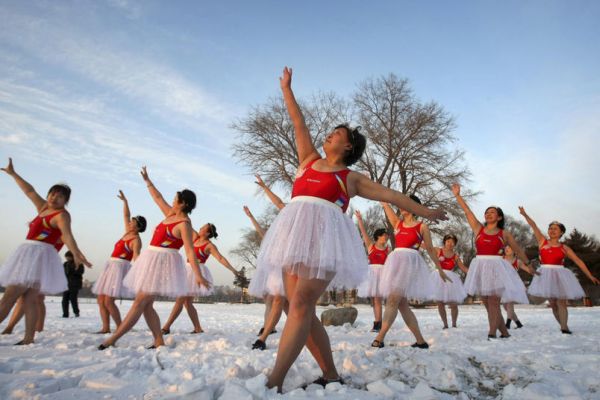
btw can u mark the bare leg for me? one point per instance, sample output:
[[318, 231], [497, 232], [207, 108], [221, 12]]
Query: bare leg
[[410, 320], [273, 318], [113, 310], [554, 305], [135, 312], [39, 326], [8, 300], [268, 303], [177, 308], [153, 322], [389, 316], [15, 317], [31, 314], [495, 318], [563, 314], [442, 311], [104, 314], [510, 311], [454, 313], [191, 310], [377, 308]]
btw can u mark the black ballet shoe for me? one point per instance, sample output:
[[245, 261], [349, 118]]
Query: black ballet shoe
[[324, 382], [5, 332], [566, 331], [519, 324], [445, 327], [273, 331], [423, 345], [453, 326], [492, 337], [259, 344], [195, 333], [260, 332], [508, 321], [504, 336], [101, 332], [378, 344], [104, 346], [22, 343], [165, 331], [151, 347]]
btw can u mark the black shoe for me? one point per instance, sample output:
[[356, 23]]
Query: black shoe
[[324, 382], [504, 336], [519, 324], [377, 344], [151, 347], [76, 315], [65, 316], [423, 345], [101, 332], [165, 331], [104, 347], [376, 326], [22, 343], [445, 327], [566, 331], [195, 333], [492, 337], [259, 344], [508, 321]]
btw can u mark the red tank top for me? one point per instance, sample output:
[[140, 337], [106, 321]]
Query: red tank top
[[163, 236], [408, 238], [41, 230], [330, 186], [515, 264], [489, 245], [551, 255], [200, 254], [446, 263], [58, 245], [122, 250], [377, 256]]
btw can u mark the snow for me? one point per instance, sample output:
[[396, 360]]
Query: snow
[[537, 362]]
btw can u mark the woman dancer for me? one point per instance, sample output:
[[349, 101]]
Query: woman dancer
[[203, 248], [312, 243], [511, 315], [405, 275], [35, 268], [490, 276], [451, 293], [110, 284], [159, 270], [555, 282], [377, 251]]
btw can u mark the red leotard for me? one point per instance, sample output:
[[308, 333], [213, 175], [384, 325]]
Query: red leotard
[[515, 264], [377, 256], [408, 238], [446, 263], [330, 186], [551, 255], [163, 237], [122, 250], [200, 254], [41, 230], [489, 245], [58, 245]]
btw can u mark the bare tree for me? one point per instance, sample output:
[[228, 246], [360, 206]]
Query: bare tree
[[247, 250]]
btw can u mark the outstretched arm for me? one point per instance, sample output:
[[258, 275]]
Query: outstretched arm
[[509, 238], [156, 195], [390, 214], [527, 268], [579, 262], [38, 201], [539, 236], [185, 230], [259, 229], [363, 231], [63, 222], [212, 250], [432, 254], [272, 196], [471, 218], [304, 144], [460, 264], [126, 212]]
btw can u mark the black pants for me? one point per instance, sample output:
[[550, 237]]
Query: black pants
[[70, 295]]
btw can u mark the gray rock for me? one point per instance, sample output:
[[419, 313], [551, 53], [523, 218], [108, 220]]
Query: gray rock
[[339, 316]]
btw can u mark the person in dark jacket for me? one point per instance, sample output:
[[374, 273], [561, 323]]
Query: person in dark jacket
[[75, 281]]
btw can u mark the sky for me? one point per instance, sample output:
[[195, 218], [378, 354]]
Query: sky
[[92, 90]]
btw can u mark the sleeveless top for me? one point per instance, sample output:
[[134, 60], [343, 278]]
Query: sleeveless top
[[377, 256], [200, 254], [446, 263], [41, 230], [489, 245], [330, 186], [551, 255], [163, 237], [408, 238], [515, 264], [122, 250]]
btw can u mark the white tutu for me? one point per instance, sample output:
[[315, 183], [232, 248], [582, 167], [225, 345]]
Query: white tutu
[[264, 282], [192, 287], [372, 286], [34, 264], [448, 292], [494, 276], [158, 271], [406, 274], [110, 282], [313, 239], [556, 282]]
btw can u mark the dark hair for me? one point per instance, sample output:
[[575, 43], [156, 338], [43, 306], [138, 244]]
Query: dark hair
[[450, 236], [212, 231], [415, 199], [61, 188], [500, 214], [188, 198], [562, 228], [357, 140], [140, 222], [379, 232], [68, 254]]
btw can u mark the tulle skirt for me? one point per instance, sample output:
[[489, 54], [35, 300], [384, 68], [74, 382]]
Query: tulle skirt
[[405, 274], [110, 283], [372, 286], [556, 282], [448, 292], [494, 276], [312, 239], [158, 271], [37, 265], [193, 289]]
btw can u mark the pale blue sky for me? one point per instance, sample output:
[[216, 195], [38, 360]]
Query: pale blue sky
[[92, 90]]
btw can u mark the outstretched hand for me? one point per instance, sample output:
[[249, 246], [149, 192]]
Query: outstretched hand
[[595, 280], [437, 214], [522, 211], [80, 259], [144, 174], [259, 181], [445, 277], [456, 189], [285, 81], [9, 168], [202, 282], [358, 214], [247, 211], [121, 196]]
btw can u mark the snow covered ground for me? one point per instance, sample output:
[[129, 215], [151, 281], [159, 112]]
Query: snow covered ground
[[537, 362]]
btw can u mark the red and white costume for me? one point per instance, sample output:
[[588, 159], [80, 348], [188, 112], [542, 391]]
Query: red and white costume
[[35, 263], [372, 286], [192, 287], [555, 281], [490, 274], [110, 282], [159, 269], [405, 273], [447, 292], [312, 237]]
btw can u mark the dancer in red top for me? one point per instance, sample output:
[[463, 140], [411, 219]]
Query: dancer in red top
[[110, 284], [325, 248], [453, 292], [555, 282], [159, 270], [203, 249], [377, 251], [405, 274], [511, 315], [35, 268]]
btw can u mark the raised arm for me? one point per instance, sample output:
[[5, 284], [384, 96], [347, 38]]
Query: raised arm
[[185, 230], [126, 212], [38, 201], [259, 229], [304, 144], [277, 202], [156, 195], [390, 214], [363, 231], [539, 236], [213, 251], [431, 251], [579, 262], [63, 222], [471, 218]]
